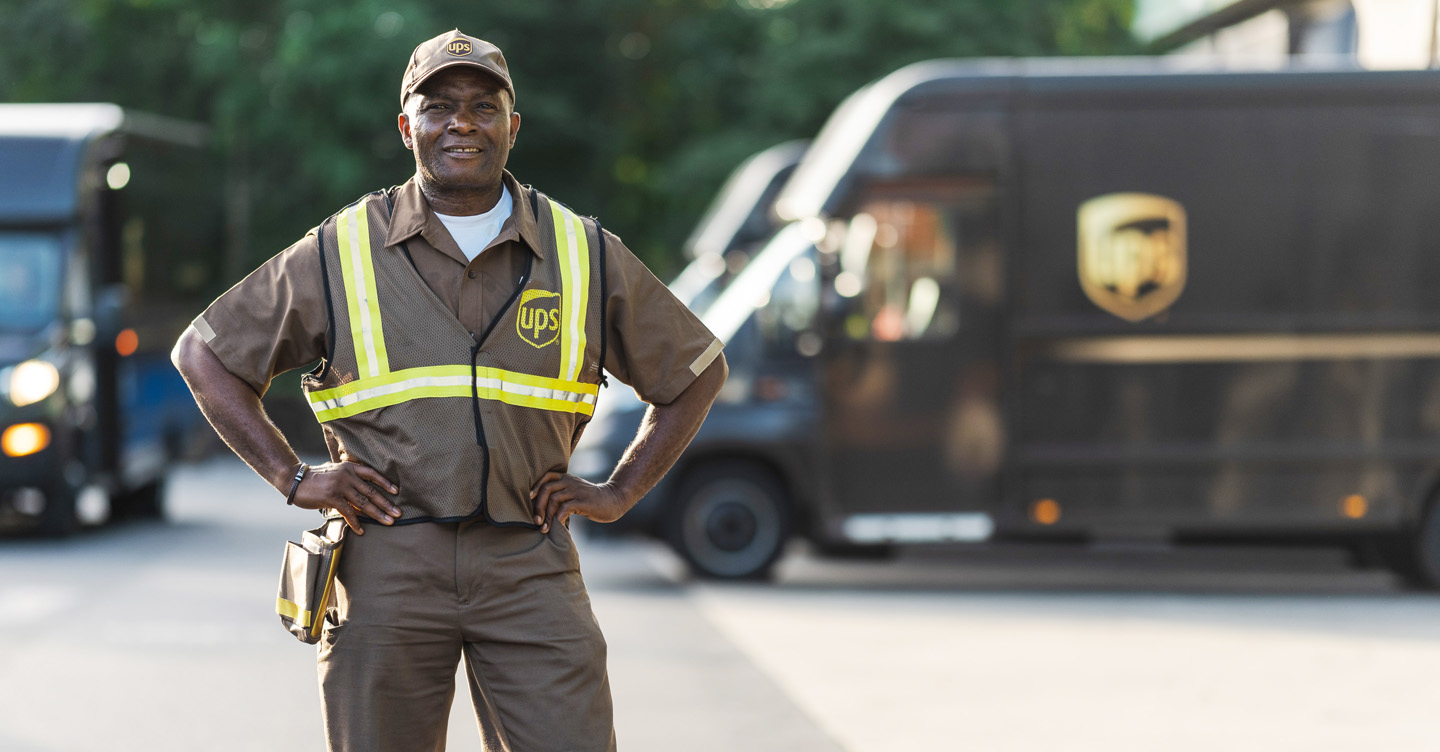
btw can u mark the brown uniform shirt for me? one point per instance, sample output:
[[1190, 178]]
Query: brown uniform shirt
[[276, 319]]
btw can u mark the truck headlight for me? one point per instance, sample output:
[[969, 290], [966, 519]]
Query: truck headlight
[[32, 381]]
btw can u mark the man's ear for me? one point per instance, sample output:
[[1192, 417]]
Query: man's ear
[[514, 127], [404, 125]]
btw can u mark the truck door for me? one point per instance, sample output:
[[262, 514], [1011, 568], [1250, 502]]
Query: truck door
[[911, 403]]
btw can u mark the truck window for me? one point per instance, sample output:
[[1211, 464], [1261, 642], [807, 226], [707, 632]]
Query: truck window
[[787, 318], [170, 241], [899, 262], [171, 246], [30, 280]]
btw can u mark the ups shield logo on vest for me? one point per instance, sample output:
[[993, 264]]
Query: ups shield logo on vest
[[539, 320], [458, 48], [1132, 253]]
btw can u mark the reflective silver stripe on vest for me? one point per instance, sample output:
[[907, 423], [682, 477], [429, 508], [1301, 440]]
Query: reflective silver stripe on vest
[[535, 391], [419, 382], [451, 386]]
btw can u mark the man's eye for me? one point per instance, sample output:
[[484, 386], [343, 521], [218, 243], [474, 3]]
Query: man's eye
[[435, 106]]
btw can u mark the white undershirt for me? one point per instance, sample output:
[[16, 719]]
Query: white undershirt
[[475, 232]]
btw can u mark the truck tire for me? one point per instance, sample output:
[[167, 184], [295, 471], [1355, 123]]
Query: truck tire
[[1417, 557], [730, 520], [60, 516], [144, 503], [1413, 554]]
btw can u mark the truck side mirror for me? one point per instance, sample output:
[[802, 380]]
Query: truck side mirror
[[109, 312]]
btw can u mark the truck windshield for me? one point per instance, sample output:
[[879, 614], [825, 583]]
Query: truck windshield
[[753, 287], [30, 273], [699, 282]]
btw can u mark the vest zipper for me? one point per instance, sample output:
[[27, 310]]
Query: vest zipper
[[478, 342], [475, 397]]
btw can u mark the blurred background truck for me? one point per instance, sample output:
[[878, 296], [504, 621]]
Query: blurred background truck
[[1124, 302], [736, 225], [111, 235]]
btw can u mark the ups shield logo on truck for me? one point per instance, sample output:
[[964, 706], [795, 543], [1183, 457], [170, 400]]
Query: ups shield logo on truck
[[1132, 253], [538, 321]]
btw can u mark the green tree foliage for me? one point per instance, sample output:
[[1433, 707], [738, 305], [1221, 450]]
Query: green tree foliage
[[633, 110]]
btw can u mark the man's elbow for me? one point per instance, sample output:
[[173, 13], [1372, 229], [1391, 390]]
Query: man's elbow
[[180, 354], [190, 355], [177, 355]]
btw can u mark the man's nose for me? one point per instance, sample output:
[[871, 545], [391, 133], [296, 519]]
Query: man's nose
[[462, 122]]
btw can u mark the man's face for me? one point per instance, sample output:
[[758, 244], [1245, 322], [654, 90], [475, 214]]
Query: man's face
[[461, 127]]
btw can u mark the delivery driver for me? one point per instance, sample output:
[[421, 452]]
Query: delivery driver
[[460, 321]]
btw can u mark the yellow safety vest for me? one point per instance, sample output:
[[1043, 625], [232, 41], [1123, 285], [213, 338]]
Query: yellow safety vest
[[463, 425]]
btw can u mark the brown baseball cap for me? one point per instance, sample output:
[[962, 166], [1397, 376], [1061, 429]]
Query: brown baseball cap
[[449, 50]]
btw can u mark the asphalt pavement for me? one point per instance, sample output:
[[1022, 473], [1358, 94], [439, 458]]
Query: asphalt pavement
[[161, 636]]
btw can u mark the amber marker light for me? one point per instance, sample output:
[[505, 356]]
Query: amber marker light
[[1045, 511], [1355, 506], [23, 439], [126, 343]]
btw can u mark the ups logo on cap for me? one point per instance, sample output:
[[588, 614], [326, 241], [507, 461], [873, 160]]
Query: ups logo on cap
[[459, 47], [1132, 253], [538, 322]]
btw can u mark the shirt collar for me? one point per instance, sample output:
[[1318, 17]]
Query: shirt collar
[[413, 216]]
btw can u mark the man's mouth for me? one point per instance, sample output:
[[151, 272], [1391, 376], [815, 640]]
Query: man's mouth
[[462, 150]]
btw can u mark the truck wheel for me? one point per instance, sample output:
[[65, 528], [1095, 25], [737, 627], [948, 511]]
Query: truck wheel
[[1420, 565], [730, 520], [1413, 554], [60, 516], [146, 502]]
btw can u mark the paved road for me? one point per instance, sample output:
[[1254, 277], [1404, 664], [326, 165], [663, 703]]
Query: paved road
[[160, 637]]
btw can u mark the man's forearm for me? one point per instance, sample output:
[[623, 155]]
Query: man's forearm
[[664, 433], [234, 409]]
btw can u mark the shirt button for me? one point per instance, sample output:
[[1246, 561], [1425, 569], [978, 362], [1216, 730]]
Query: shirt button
[[471, 275]]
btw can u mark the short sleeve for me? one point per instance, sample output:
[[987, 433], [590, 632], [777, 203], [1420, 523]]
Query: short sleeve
[[272, 321], [654, 343]]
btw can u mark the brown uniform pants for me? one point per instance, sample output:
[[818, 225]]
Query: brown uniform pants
[[415, 598]]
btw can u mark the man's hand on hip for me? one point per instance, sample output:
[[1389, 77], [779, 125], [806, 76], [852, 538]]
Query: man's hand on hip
[[233, 407], [664, 432], [559, 495], [349, 488]]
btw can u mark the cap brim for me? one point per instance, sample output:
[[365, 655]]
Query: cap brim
[[453, 63]]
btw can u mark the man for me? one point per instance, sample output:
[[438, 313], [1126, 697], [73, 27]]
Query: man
[[461, 321]]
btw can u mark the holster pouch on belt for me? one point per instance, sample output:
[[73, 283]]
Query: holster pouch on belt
[[307, 579]]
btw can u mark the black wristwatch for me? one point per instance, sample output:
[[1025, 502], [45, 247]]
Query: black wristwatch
[[299, 476]]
